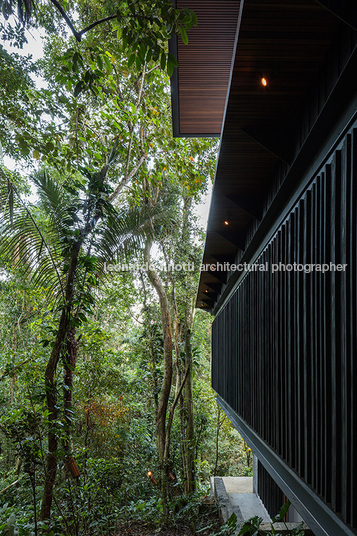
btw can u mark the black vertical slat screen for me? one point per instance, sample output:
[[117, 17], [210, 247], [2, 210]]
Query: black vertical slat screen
[[271, 495], [352, 325], [284, 344]]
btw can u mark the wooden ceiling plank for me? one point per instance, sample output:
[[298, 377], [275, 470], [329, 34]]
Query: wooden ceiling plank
[[204, 66]]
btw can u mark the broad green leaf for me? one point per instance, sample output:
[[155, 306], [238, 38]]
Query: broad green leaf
[[99, 62], [78, 88], [183, 35], [170, 67], [131, 60], [173, 60], [280, 516]]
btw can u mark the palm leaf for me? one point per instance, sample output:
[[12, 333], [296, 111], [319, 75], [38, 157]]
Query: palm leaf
[[24, 244], [61, 207], [125, 232]]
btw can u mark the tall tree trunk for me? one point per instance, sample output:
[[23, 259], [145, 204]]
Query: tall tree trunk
[[51, 388], [189, 446], [187, 414], [167, 379], [52, 407], [69, 365], [152, 350], [184, 368]]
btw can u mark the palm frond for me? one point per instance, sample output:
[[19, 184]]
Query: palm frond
[[49, 191], [25, 247], [124, 231], [61, 207], [23, 243]]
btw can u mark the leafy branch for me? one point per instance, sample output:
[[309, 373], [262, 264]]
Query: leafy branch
[[78, 35]]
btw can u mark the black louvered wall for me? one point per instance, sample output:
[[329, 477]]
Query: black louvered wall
[[284, 344], [269, 492]]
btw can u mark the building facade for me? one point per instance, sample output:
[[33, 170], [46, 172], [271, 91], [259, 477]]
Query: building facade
[[280, 255]]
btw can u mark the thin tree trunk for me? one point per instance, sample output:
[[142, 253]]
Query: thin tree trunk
[[166, 328], [51, 388], [52, 407], [190, 482], [188, 415], [167, 379], [179, 389], [152, 351], [34, 498], [69, 367], [13, 377]]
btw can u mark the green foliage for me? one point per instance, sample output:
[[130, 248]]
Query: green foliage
[[252, 526], [103, 171], [229, 527], [15, 105], [44, 246], [145, 27]]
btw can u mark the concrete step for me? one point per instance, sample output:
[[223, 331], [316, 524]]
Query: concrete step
[[235, 495]]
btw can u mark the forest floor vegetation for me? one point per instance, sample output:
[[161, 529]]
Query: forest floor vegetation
[[207, 524]]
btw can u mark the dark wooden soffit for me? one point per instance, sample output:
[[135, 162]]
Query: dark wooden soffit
[[199, 85], [287, 43], [346, 10]]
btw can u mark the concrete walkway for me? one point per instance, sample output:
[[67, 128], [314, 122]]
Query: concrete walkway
[[235, 495]]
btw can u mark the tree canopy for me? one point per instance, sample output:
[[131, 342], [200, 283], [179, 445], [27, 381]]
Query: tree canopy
[[106, 413]]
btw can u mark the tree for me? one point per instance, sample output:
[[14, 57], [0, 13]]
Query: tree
[[68, 252], [180, 181], [112, 89], [82, 227], [145, 26]]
